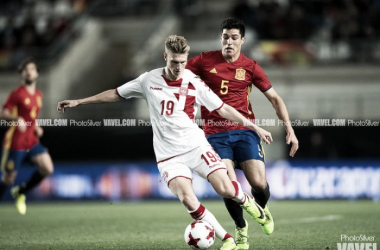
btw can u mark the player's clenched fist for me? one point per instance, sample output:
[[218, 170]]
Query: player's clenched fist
[[66, 104]]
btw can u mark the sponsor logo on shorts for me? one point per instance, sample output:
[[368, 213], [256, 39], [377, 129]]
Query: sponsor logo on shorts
[[165, 175], [214, 165]]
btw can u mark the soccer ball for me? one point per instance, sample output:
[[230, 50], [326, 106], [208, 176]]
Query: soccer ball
[[199, 235]]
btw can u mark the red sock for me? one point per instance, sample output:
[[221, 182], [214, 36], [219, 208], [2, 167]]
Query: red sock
[[203, 214], [239, 194], [227, 236], [199, 213]]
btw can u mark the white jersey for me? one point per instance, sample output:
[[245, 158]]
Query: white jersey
[[172, 107]]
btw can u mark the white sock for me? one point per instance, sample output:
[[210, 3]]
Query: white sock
[[203, 214], [239, 194]]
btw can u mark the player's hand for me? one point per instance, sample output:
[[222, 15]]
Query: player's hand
[[264, 135], [38, 131], [21, 124], [291, 138], [66, 104]]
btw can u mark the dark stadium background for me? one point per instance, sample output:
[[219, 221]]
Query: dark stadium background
[[115, 144], [321, 56]]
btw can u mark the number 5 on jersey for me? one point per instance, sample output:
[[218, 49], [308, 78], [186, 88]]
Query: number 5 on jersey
[[224, 87]]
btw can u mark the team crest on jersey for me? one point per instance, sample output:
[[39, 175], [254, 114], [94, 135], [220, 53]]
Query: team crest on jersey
[[183, 91], [240, 74], [27, 101]]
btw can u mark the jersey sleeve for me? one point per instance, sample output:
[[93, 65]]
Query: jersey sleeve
[[132, 88], [260, 79], [11, 101], [206, 97], [195, 65]]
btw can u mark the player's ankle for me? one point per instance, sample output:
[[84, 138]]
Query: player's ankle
[[227, 236]]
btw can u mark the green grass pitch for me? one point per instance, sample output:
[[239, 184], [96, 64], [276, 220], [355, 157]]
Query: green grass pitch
[[161, 224]]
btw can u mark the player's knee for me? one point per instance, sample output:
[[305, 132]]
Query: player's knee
[[260, 185], [225, 191], [188, 200], [50, 171], [47, 170]]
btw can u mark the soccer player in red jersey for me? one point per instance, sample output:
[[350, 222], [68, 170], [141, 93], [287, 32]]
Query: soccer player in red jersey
[[231, 75], [21, 141]]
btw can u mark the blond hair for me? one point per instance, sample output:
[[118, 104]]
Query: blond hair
[[176, 44]]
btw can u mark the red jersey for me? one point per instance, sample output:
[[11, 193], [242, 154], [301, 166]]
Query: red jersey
[[22, 104], [232, 82]]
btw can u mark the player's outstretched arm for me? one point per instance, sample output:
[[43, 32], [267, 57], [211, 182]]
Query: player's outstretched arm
[[232, 114], [282, 113], [106, 96]]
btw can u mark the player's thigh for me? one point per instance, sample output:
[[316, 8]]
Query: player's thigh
[[254, 171], [247, 146], [39, 156], [230, 169], [209, 166], [222, 183], [221, 144]]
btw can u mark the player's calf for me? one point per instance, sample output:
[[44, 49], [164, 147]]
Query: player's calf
[[224, 186]]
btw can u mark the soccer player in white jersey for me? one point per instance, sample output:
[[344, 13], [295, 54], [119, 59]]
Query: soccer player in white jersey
[[173, 95]]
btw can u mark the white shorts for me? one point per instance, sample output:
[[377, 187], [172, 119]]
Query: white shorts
[[202, 160]]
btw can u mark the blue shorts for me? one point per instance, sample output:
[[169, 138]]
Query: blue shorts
[[237, 145], [12, 159]]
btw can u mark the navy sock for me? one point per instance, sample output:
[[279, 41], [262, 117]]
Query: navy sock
[[3, 187], [261, 196], [33, 181], [236, 212]]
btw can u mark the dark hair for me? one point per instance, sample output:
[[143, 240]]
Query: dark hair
[[233, 23], [25, 62]]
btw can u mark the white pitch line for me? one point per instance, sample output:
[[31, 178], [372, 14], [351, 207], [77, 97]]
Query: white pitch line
[[309, 219]]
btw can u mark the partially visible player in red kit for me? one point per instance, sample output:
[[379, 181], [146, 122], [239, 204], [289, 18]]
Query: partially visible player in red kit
[[231, 75], [21, 141]]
